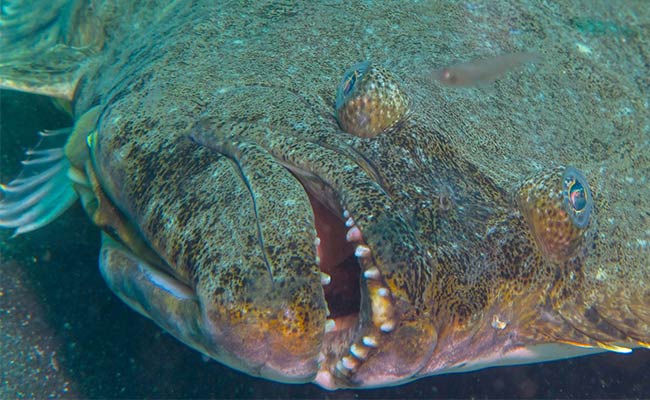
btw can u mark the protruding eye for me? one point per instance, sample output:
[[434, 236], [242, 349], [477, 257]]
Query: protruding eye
[[557, 206], [577, 197], [369, 101], [349, 81]]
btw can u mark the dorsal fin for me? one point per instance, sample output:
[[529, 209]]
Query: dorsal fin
[[45, 44]]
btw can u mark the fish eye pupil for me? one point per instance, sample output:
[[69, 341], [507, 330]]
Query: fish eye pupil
[[577, 196], [349, 81], [349, 85]]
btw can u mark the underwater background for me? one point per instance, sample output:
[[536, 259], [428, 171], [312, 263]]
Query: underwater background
[[64, 334]]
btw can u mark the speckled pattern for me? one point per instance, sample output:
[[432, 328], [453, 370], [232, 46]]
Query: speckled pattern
[[205, 126], [369, 101]]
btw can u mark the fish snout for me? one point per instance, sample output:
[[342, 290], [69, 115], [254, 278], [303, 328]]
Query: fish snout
[[276, 335]]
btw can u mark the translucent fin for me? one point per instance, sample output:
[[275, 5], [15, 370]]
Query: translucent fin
[[44, 45], [43, 190]]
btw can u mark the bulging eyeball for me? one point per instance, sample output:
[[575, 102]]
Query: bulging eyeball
[[369, 100], [557, 206]]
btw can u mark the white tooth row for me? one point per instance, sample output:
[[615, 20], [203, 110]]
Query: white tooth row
[[359, 352], [382, 309], [325, 279], [354, 235]]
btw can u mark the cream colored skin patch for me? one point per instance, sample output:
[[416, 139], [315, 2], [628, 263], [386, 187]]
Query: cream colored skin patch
[[524, 355]]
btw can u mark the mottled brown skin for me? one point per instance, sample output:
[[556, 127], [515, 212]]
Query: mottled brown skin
[[204, 131], [375, 103]]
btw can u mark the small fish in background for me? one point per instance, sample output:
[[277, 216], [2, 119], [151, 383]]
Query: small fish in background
[[479, 72]]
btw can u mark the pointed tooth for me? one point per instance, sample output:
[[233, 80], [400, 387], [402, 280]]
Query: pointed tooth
[[346, 214], [359, 351], [371, 273], [387, 326], [341, 368], [353, 235], [370, 341], [330, 325], [317, 260], [317, 241], [362, 251], [349, 222], [325, 279], [349, 363], [383, 292]]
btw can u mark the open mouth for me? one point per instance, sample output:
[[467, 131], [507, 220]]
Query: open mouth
[[360, 305], [337, 261], [345, 200]]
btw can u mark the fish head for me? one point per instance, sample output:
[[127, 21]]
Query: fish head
[[368, 256]]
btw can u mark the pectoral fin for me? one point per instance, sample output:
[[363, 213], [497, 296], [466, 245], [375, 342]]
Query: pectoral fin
[[45, 187], [43, 190]]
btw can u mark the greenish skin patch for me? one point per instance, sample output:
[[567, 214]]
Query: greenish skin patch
[[209, 116], [596, 27]]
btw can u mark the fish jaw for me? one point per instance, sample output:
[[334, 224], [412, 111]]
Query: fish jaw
[[189, 317], [261, 304], [259, 309]]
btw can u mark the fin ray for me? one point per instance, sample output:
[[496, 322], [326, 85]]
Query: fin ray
[[20, 185], [14, 206], [54, 132], [43, 156], [49, 214], [43, 190]]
